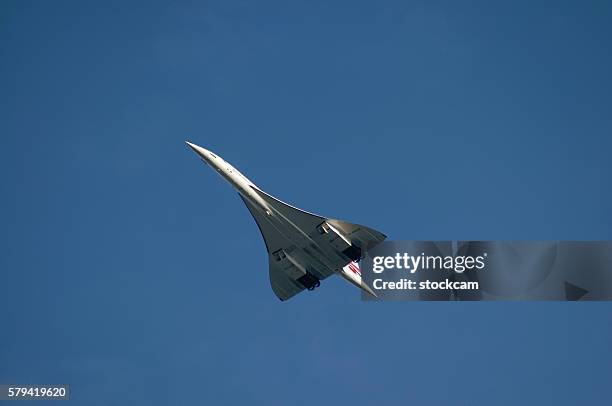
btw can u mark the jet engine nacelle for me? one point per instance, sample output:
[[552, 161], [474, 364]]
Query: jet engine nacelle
[[295, 270], [339, 241]]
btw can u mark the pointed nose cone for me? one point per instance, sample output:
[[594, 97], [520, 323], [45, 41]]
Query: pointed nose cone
[[203, 153]]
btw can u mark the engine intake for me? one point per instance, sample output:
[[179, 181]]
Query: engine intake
[[340, 242]]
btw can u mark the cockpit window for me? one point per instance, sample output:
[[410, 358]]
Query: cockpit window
[[213, 155]]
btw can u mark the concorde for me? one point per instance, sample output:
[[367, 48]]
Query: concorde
[[303, 248]]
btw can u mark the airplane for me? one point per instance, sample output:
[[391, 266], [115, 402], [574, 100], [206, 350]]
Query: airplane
[[303, 248]]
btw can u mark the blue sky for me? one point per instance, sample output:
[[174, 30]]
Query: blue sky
[[132, 272]]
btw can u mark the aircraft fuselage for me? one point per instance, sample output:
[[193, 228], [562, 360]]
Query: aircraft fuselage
[[300, 235]]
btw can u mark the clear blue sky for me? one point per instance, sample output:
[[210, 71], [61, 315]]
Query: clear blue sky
[[129, 269]]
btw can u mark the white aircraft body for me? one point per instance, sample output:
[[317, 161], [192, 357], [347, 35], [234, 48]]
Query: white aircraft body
[[303, 248]]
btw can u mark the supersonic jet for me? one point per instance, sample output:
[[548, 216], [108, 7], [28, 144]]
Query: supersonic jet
[[303, 248]]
